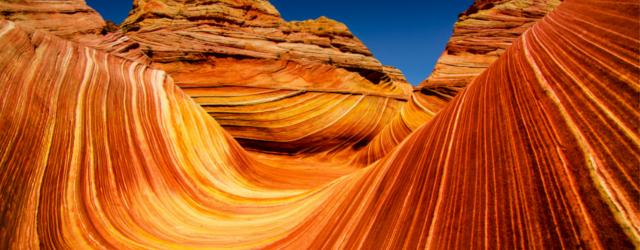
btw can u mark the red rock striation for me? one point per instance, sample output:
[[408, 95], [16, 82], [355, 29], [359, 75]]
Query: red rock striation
[[178, 31], [277, 86], [481, 35], [541, 150], [70, 19]]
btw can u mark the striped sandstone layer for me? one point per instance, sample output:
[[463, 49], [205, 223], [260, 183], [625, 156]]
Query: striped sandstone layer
[[278, 87], [481, 35], [174, 31], [70, 19], [272, 106], [539, 151]]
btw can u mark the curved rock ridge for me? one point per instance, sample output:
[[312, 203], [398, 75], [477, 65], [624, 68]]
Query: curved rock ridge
[[69, 19], [295, 81], [539, 151], [423, 105], [483, 33], [287, 107]]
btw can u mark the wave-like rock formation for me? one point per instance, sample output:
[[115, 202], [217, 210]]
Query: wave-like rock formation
[[71, 19], [276, 86], [539, 151], [481, 35]]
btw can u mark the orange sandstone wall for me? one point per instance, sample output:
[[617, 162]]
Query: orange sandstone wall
[[539, 151], [70, 19], [481, 35]]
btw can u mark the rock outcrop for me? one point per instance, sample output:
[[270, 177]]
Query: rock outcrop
[[481, 35], [200, 32], [260, 75], [539, 151], [70, 19]]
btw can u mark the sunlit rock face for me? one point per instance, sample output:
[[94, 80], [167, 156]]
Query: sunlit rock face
[[70, 19], [244, 29], [240, 59], [541, 150], [481, 35]]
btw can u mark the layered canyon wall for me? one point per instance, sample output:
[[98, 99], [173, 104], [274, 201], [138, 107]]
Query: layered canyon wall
[[100, 148]]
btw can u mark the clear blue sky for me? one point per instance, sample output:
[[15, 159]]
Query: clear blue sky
[[408, 34]]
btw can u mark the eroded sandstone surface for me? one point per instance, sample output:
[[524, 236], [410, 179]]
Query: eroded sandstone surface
[[100, 148], [481, 35], [71, 19], [240, 60]]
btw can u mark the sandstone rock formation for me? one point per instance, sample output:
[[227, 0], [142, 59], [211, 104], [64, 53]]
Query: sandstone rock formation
[[178, 30], [98, 150], [220, 52], [481, 35], [260, 76], [71, 19]]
